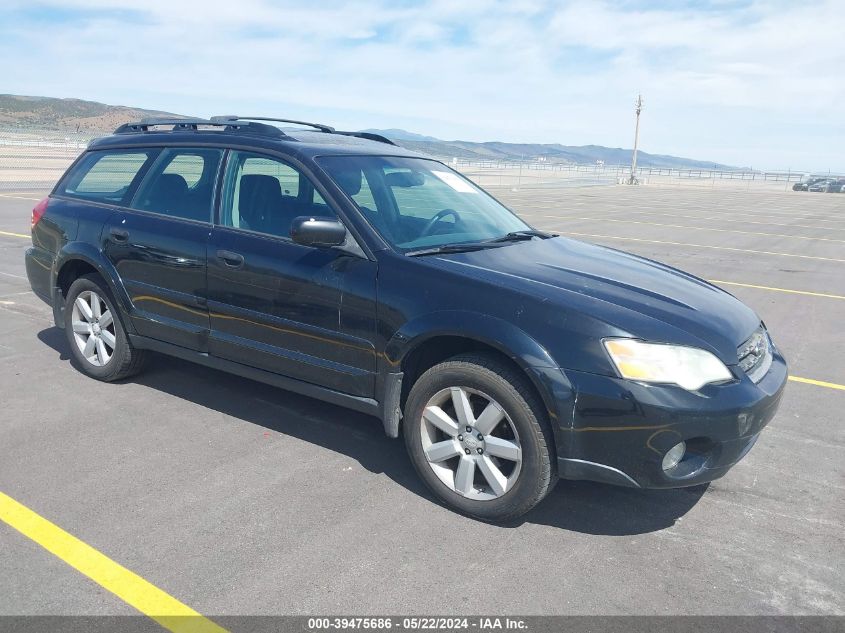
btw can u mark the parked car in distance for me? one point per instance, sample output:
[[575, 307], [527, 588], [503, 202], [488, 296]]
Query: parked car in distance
[[340, 266], [827, 185], [807, 182]]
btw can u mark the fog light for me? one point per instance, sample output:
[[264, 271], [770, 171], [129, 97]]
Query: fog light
[[675, 454]]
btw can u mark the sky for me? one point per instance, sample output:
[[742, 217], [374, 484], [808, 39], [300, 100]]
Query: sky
[[747, 83]]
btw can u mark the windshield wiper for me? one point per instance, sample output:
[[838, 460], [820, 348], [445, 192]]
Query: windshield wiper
[[450, 248], [514, 236], [517, 236]]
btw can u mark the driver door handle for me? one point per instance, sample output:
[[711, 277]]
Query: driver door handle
[[233, 260]]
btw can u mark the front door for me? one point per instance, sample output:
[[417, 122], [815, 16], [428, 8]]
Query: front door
[[280, 306], [158, 246]]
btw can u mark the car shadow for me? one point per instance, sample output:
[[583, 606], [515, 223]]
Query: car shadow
[[578, 506]]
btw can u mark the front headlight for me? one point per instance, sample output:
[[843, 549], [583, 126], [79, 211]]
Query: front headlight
[[687, 367]]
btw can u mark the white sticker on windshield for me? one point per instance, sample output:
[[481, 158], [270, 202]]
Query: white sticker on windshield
[[455, 182]]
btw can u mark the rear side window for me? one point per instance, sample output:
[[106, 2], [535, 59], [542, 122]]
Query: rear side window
[[180, 184], [189, 166], [105, 176]]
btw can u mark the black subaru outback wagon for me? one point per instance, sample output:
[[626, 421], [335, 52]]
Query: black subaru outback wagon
[[340, 266]]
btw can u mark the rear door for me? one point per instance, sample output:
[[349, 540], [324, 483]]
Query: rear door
[[303, 312], [158, 246]]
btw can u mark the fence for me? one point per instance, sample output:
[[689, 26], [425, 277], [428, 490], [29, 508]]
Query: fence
[[36, 159], [532, 174], [32, 159]]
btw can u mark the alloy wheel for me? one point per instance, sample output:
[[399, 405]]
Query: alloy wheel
[[470, 443], [93, 328]]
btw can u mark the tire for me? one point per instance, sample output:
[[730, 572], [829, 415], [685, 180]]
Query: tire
[[437, 447], [91, 313]]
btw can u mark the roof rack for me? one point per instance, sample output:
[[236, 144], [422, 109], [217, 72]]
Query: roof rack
[[190, 124], [318, 126], [232, 117], [233, 123], [367, 135]]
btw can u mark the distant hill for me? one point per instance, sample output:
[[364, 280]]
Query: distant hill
[[68, 114], [395, 134], [49, 113], [552, 153]]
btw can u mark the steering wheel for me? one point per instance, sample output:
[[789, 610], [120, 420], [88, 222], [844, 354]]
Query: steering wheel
[[429, 227]]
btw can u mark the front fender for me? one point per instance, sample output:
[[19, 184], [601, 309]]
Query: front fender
[[502, 335], [549, 380]]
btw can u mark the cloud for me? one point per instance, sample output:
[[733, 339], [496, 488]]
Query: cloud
[[744, 82]]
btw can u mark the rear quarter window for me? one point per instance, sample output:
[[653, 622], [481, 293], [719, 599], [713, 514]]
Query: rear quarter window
[[105, 176]]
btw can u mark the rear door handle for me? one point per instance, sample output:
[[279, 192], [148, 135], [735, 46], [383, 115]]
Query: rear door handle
[[119, 235], [235, 260]]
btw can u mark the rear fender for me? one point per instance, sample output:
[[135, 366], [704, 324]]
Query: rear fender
[[83, 251]]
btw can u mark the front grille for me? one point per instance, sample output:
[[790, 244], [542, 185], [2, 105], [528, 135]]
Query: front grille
[[755, 355]]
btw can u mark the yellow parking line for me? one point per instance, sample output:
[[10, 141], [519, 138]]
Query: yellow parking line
[[28, 237], [818, 383], [797, 292], [129, 587], [719, 248], [703, 228]]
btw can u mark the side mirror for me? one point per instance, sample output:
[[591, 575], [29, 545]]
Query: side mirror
[[317, 231]]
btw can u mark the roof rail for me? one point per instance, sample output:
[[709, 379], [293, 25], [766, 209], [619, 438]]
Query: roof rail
[[233, 123], [191, 124], [233, 118], [367, 135], [318, 126]]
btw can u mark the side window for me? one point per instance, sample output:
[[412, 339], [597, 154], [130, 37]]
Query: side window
[[264, 194], [189, 166], [287, 176], [180, 184], [105, 176]]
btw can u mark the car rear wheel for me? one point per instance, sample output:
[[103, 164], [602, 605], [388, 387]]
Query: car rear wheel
[[95, 332], [479, 438]]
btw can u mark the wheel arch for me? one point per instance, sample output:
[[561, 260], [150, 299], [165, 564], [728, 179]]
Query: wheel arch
[[424, 342], [77, 259]]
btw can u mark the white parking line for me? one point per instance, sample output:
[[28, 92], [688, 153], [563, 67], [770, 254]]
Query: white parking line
[[718, 248], [6, 195], [703, 228]]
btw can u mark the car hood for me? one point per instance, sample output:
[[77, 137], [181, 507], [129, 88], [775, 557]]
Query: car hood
[[568, 272]]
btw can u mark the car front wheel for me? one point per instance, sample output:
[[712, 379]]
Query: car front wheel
[[479, 437]]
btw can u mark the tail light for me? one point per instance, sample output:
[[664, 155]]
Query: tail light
[[39, 210]]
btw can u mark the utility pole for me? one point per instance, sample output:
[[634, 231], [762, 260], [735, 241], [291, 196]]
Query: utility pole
[[633, 179]]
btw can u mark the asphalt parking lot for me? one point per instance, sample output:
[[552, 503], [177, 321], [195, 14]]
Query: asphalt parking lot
[[237, 498]]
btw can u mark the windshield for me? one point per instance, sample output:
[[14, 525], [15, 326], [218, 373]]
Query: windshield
[[416, 203]]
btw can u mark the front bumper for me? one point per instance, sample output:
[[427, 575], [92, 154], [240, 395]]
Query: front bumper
[[620, 430]]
